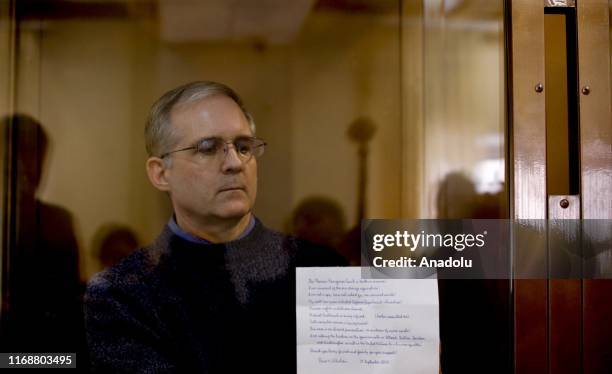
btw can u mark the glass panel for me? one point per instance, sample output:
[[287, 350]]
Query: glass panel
[[368, 113], [463, 167], [464, 110], [7, 34], [321, 78]]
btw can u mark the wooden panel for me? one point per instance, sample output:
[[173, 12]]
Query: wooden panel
[[595, 128], [530, 326], [597, 335], [564, 298], [564, 207], [528, 113], [565, 318], [596, 171], [528, 174]]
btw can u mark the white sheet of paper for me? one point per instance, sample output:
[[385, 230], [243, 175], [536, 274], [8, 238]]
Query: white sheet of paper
[[346, 324]]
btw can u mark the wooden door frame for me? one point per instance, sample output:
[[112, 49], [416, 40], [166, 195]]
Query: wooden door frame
[[551, 337]]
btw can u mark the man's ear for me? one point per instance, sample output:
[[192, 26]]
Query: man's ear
[[156, 170]]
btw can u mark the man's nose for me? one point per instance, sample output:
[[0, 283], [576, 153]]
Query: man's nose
[[231, 160]]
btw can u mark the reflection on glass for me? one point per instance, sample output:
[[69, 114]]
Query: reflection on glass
[[464, 167], [42, 310], [307, 71], [358, 112], [464, 112]]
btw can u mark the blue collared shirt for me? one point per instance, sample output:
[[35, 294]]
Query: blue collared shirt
[[194, 239]]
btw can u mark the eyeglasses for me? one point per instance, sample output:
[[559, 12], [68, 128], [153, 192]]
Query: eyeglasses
[[246, 147]]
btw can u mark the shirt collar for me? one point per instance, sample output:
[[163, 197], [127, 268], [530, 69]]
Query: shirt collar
[[174, 227]]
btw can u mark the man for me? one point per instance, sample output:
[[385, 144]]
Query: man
[[215, 292]]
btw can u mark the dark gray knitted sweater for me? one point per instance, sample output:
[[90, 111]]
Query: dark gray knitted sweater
[[177, 306]]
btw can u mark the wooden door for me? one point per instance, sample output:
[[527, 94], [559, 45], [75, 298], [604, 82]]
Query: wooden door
[[561, 325]]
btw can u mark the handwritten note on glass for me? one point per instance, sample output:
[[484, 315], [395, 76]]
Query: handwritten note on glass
[[346, 324]]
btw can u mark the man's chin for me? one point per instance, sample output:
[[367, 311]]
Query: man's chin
[[234, 211]]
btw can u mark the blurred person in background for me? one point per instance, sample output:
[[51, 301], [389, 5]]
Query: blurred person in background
[[41, 310], [113, 242]]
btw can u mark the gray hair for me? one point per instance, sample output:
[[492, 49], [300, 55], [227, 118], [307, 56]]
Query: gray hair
[[159, 134]]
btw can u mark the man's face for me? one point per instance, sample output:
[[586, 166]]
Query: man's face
[[203, 189]]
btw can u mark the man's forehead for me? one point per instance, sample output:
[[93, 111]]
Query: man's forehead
[[216, 114]]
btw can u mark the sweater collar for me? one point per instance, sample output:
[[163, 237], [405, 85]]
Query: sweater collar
[[176, 230]]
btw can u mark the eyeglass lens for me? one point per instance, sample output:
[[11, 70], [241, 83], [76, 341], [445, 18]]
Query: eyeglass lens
[[245, 147]]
